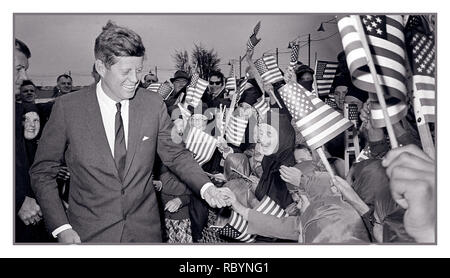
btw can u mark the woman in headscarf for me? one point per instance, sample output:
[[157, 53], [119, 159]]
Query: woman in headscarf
[[277, 141], [29, 224]]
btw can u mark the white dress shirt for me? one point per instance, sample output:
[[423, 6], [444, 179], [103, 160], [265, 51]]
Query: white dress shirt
[[108, 110]]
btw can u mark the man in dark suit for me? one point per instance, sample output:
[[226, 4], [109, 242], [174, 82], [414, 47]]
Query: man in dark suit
[[108, 135]]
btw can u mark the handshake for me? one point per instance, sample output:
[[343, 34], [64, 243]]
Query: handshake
[[224, 197]]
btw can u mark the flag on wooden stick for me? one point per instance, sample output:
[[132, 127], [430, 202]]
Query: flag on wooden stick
[[195, 90], [201, 144], [318, 123]]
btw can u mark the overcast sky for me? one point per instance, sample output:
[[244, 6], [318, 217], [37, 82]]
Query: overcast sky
[[63, 42]]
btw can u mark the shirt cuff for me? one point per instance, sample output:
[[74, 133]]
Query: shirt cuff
[[204, 187], [61, 229]]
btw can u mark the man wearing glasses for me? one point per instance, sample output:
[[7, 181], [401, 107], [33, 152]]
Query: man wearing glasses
[[216, 94]]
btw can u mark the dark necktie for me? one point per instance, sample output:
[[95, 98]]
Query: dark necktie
[[120, 150]]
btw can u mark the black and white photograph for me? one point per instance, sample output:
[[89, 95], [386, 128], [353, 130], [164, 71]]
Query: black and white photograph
[[225, 129]]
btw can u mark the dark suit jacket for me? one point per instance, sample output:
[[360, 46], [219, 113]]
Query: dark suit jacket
[[101, 207]]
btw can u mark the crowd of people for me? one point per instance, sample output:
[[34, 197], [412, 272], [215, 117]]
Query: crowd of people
[[110, 162]]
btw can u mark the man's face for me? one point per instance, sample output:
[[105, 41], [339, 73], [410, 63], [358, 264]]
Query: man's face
[[31, 125], [20, 69], [148, 79], [121, 80], [302, 155], [179, 84], [215, 84], [28, 93], [65, 85], [339, 95]]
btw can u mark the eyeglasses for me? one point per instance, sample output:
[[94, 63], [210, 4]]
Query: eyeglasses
[[215, 83]]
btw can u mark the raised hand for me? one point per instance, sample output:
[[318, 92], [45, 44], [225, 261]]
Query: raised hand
[[63, 173], [413, 186], [291, 175]]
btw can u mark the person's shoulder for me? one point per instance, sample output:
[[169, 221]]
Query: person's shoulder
[[77, 96], [148, 97]]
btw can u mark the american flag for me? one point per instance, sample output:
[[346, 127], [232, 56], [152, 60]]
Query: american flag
[[241, 88], [294, 54], [164, 89], [253, 40], [201, 144], [235, 130], [262, 106], [420, 44], [268, 69], [195, 90], [386, 39], [396, 112], [268, 206], [318, 123], [331, 102], [324, 74], [237, 227], [231, 81]]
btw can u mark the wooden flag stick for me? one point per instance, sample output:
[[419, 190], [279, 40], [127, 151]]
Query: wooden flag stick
[[325, 161], [423, 128], [378, 87], [258, 77]]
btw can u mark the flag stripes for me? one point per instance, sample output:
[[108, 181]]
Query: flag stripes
[[318, 123], [324, 74], [268, 69], [201, 145], [235, 130], [195, 90], [386, 42], [268, 206]]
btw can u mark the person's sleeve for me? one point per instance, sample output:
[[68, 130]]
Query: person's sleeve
[[176, 157], [271, 226], [49, 157]]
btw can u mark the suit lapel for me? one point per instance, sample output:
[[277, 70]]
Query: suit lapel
[[135, 115], [96, 128]]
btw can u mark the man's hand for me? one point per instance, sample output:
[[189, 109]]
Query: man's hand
[[30, 211], [349, 195], [69, 237], [215, 197], [235, 204], [173, 205], [291, 175], [63, 173], [413, 186], [158, 185]]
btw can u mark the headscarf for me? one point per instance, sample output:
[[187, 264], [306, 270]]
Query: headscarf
[[271, 183]]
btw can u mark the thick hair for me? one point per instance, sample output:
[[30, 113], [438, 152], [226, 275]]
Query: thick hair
[[65, 76], [22, 47], [218, 74], [116, 41], [26, 83]]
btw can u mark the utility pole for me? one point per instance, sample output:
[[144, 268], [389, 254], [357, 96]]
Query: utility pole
[[240, 66], [276, 51], [309, 50], [156, 70]]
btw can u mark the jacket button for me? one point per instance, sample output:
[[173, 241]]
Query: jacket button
[[125, 217], [122, 191]]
